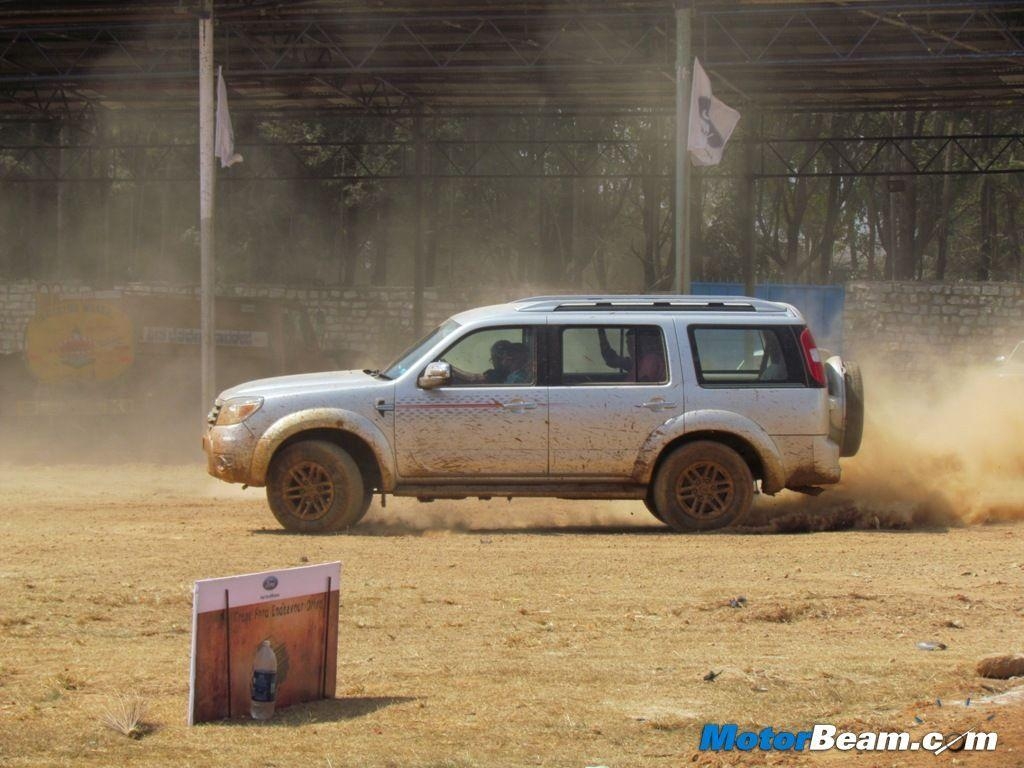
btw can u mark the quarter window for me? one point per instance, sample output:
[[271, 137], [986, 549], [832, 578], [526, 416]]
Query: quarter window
[[728, 356]]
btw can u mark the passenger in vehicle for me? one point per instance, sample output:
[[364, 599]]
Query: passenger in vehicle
[[651, 367], [774, 368], [645, 347]]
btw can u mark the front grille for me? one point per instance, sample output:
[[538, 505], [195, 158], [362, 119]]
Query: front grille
[[211, 417]]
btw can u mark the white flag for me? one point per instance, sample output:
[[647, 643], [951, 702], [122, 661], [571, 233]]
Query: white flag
[[711, 121], [224, 140]]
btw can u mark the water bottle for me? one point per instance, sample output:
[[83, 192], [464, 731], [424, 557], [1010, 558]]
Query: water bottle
[[263, 692]]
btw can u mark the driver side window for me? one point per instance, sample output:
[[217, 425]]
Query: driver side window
[[494, 357]]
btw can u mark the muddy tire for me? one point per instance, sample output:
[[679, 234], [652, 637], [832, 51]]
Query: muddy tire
[[652, 507], [703, 486], [316, 487], [854, 411]]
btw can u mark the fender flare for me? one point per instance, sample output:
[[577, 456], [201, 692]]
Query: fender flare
[[774, 479], [335, 419]]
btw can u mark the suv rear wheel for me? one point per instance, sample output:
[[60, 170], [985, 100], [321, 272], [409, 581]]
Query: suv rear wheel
[[702, 486], [315, 487]]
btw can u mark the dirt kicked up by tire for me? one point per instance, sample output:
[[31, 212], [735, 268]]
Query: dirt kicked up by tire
[[316, 487], [703, 486]]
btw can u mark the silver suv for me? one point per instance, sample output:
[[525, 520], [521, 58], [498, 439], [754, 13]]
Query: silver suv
[[687, 403]]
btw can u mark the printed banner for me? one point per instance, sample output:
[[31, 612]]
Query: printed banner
[[295, 609], [152, 334], [78, 340]]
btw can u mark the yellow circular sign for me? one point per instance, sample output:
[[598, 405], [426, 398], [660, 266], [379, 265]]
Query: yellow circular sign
[[79, 340]]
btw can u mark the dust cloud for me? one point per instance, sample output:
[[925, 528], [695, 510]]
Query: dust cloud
[[941, 453], [405, 516]]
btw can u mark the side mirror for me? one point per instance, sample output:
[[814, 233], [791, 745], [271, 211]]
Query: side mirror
[[435, 375]]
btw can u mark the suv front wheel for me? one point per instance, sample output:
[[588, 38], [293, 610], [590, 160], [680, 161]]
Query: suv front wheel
[[702, 486], [316, 487]]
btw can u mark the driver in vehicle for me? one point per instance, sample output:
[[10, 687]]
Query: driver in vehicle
[[516, 362], [501, 357], [509, 365]]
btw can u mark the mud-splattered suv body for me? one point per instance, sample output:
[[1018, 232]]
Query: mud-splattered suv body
[[687, 403]]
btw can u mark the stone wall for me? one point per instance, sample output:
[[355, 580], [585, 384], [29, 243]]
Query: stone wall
[[364, 325], [903, 325], [907, 326]]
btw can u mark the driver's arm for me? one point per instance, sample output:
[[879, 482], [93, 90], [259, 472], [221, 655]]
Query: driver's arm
[[460, 376]]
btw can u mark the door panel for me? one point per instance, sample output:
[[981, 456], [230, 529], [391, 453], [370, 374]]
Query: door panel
[[602, 410], [491, 422]]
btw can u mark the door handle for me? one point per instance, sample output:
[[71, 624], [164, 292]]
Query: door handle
[[657, 404]]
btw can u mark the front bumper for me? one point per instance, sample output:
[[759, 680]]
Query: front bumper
[[229, 452]]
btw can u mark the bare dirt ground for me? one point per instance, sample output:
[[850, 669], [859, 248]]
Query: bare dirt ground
[[538, 633], [493, 634]]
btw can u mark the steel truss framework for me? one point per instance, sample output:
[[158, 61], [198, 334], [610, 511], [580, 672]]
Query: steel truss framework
[[382, 161], [779, 55], [960, 154], [922, 31], [850, 55], [387, 63], [573, 58], [891, 156]]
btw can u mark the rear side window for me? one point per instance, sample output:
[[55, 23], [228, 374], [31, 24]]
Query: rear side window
[[613, 355], [729, 356]]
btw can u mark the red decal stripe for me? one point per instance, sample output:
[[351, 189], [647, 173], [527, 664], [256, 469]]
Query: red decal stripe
[[428, 406]]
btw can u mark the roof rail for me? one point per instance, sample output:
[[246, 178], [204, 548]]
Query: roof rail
[[648, 303]]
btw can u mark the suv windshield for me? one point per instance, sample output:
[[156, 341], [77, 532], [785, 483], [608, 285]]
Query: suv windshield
[[411, 355]]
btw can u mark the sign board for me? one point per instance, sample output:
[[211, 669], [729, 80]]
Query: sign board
[[296, 609], [161, 334], [78, 340]]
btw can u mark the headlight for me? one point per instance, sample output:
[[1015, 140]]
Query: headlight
[[238, 409]]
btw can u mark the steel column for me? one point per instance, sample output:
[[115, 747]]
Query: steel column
[[684, 73], [418, 261], [748, 194], [207, 321]]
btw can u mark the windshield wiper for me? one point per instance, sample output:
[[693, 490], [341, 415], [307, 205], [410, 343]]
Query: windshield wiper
[[376, 374]]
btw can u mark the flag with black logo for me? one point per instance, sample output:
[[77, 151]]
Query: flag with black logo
[[711, 121]]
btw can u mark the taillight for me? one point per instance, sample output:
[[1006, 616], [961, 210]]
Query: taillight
[[812, 357]]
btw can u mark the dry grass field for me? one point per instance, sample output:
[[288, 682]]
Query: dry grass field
[[490, 634], [532, 633]]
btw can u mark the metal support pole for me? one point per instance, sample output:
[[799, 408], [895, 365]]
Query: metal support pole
[[206, 181], [894, 186], [684, 74], [419, 267], [748, 194], [62, 215]]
